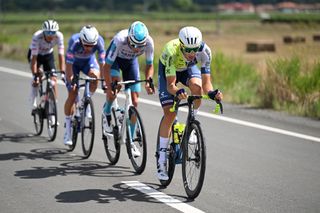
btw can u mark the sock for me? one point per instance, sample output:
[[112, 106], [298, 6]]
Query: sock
[[163, 146], [132, 128], [195, 111], [68, 125], [107, 107]]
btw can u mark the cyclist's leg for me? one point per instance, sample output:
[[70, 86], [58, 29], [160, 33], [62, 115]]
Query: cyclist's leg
[[115, 76], [192, 79], [166, 100], [69, 108], [49, 65], [130, 71]]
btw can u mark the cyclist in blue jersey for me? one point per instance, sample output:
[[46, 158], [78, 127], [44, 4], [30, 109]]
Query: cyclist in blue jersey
[[81, 57], [178, 63]]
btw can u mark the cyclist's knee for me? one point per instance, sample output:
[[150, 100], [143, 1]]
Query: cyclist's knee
[[195, 87]]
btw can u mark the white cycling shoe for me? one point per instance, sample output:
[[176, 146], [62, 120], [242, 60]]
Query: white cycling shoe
[[162, 172], [135, 151], [67, 140], [193, 140]]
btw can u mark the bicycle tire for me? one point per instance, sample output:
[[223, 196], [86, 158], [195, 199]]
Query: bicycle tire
[[138, 140], [74, 133], [37, 114], [87, 128], [51, 115], [194, 155], [171, 165], [112, 146]]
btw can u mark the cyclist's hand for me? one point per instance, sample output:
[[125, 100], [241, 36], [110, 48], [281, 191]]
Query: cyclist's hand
[[215, 95], [181, 94], [149, 90], [36, 80]]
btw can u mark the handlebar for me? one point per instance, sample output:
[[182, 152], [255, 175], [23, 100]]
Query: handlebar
[[191, 98], [115, 84]]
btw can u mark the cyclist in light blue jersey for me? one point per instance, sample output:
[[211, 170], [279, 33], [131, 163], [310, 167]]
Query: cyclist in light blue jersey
[[122, 54], [81, 57]]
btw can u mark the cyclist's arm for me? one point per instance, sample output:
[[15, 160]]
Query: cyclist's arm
[[69, 72], [33, 65], [61, 52], [62, 65], [106, 74]]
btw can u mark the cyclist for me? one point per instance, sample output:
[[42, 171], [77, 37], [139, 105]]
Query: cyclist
[[81, 57], [122, 54], [41, 53], [178, 63]]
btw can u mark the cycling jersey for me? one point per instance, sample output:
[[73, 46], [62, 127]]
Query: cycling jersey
[[77, 55], [39, 46], [119, 47], [174, 61]]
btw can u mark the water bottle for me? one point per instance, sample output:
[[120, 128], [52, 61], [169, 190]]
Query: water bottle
[[178, 132]]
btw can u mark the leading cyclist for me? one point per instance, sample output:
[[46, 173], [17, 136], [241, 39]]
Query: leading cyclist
[[122, 54], [178, 63], [41, 53], [81, 57]]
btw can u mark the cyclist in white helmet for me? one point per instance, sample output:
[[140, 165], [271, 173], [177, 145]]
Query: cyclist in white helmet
[[81, 57], [122, 54], [178, 63], [41, 53]]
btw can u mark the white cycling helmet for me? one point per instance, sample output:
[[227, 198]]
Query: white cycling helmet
[[89, 35], [50, 25], [138, 33], [190, 37]]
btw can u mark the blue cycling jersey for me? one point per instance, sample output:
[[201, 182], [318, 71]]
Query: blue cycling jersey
[[76, 54]]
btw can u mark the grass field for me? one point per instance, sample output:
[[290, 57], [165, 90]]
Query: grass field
[[281, 80]]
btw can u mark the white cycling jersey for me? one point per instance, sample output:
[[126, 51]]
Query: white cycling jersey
[[119, 47], [39, 46]]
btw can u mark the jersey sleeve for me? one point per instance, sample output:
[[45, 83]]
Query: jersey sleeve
[[60, 44], [112, 52], [149, 51], [70, 51], [206, 58], [101, 51], [34, 45]]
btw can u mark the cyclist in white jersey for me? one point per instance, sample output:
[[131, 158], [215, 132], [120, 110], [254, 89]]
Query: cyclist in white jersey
[[41, 53]]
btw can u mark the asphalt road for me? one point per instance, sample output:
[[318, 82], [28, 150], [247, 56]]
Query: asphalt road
[[257, 161]]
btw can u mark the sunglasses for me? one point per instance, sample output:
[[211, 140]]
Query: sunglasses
[[190, 50], [136, 46], [49, 33]]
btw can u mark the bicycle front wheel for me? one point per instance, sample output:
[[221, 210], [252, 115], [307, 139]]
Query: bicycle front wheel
[[137, 148], [88, 127], [193, 160], [75, 126], [111, 139], [51, 115]]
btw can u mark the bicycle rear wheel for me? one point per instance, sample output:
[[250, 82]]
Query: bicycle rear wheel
[[51, 115], [171, 165], [88, 127], [111, 140], [138, 144], [193, 160]]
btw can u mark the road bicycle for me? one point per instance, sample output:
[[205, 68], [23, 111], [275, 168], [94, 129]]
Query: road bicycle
[[83, 118], [46, 105], [187, 147], [127, 128]]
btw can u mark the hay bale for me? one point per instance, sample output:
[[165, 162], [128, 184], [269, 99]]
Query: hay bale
[[316, 37], [293, 39], [260, 46]]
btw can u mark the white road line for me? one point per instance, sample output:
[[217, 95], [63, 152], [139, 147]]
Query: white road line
[[168, 200], [205, 114]]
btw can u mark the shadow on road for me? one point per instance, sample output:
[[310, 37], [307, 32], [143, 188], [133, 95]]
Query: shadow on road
[[119, 192], [22, 137], [80, 168]]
